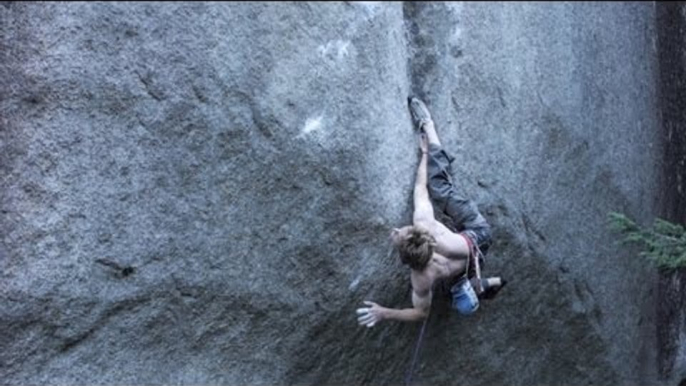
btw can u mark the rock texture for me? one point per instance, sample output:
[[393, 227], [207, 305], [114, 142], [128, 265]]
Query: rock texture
[[671, 330], [202, 193]]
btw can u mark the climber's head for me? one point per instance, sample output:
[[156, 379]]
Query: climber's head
[[415, 245]]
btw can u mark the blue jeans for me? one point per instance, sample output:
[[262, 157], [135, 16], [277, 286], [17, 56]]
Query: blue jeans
[[463, 212]]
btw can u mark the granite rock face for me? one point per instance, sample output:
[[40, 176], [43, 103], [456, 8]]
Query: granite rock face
[[202, 193]]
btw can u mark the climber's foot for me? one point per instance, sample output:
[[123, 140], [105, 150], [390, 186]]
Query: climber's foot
[[420, 113], [491, 287]]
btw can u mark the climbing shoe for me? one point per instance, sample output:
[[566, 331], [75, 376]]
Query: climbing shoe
[[490, 291], [420, 114]]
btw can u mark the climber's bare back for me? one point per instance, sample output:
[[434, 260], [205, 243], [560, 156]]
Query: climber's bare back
[[448, 243]]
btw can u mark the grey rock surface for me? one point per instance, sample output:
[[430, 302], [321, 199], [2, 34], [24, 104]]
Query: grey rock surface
[[201, 193]]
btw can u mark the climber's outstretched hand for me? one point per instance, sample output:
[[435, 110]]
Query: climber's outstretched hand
[[369, 316]]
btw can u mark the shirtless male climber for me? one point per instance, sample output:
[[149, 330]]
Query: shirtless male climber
[[431, 250]]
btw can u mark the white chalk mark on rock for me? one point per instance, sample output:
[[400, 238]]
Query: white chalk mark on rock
[[343, 49], [456, 35], [311, 124], [337, 49], [455, 7], [372, 7], [354, 284]]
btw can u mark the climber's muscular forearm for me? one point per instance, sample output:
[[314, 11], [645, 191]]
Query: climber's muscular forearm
[[419, 311], [375, 313]]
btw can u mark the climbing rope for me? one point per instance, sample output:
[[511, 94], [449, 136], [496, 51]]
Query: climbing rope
[[415, 355]]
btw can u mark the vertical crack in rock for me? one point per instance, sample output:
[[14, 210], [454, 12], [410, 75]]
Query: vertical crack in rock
[[422, 46]]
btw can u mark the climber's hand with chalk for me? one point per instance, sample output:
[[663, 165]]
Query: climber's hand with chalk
[[369, 316]]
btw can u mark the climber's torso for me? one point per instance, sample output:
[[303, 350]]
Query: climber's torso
[[438, 268]]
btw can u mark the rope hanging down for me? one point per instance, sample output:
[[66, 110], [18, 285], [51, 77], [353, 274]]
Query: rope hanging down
[[415, 355]]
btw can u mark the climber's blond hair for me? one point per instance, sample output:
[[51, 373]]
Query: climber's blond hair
[[416, 248]]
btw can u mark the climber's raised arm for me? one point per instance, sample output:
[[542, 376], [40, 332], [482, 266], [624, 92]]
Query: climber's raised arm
[[423, 210]]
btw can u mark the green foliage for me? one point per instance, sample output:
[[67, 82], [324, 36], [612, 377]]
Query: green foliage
[[664, 243]]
